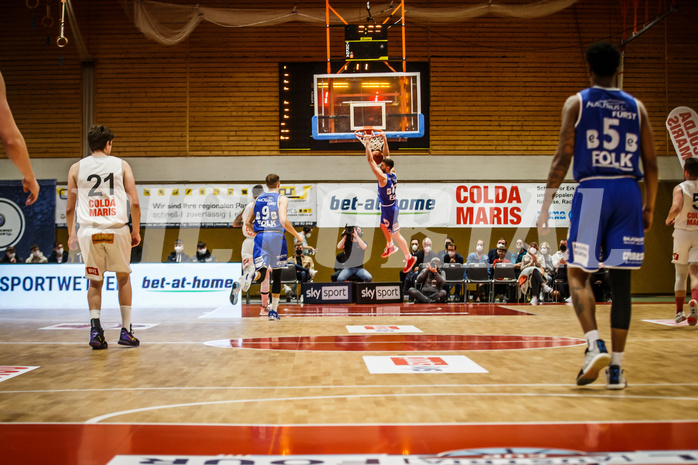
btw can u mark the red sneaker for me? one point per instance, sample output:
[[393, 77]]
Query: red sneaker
[[410, 264], [389, 250]]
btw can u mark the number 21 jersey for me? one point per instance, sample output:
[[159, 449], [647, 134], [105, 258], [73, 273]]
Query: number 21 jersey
[[102, 200]]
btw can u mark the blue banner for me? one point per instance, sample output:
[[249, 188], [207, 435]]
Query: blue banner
[[22, 226]]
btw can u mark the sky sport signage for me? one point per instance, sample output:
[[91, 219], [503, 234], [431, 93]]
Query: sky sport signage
[[327, 293], [378, 293]]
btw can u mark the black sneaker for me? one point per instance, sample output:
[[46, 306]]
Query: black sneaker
[[234, 293], [128, 339], [595, 358], [97, 341]]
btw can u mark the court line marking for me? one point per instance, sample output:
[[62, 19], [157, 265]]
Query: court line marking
[[100, 418], [368, 386]]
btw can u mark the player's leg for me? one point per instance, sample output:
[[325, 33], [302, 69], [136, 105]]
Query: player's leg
[[245, 280], [692, 316], [278, 252], [275, 294], [387, 220], [620, 323], [93, 255], [94, 302], [126, 337], [681, 272]]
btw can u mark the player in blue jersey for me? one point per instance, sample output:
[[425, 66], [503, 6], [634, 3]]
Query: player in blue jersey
[[269, 221], [608, 133], [387, 195]]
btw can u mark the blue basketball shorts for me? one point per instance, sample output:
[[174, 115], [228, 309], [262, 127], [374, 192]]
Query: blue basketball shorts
[[606, 225], [389, 217], [270, 250]]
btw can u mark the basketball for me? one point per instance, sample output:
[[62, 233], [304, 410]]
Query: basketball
[[378, 158], [556, 296]]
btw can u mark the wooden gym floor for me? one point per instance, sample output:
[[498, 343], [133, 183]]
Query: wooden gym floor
[[339, 379]]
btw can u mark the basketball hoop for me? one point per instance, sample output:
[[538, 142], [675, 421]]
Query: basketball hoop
[[376, 141]]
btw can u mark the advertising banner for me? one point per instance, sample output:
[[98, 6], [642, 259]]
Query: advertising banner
[[22, 226], [378, 293], [327, 293], [682, 124], [168, 285], [467, 205]]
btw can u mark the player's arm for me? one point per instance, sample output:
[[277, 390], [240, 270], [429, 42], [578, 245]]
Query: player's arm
[[381, 176], [561, 159], [386, 150], [360, 241], [70, 206], [16, 147], [649, 166], [676, 205], [283, 218], [132, 194]]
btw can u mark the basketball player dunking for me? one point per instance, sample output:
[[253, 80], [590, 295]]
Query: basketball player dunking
[[387, 187]]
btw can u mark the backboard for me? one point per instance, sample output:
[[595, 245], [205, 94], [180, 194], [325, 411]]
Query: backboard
[[386, 101]]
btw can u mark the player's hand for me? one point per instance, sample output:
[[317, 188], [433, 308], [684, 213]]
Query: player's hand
[[647, 217], [669, 222], [33, 188], [135, 238], [73, 242], [542, 222]]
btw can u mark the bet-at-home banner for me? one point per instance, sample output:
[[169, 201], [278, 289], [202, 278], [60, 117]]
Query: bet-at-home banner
[[467, 205], [422, 205]]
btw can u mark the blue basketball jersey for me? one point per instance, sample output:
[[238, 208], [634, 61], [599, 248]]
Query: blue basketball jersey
[[266, 213], [387, 193], [607, 141]]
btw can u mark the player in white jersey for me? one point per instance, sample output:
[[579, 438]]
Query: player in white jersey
[[684, 216], [99, 189], [247, 249]]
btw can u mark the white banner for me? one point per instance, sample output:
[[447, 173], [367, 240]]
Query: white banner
[[472, 205], [204, 205], [170, 285], [682, 124]]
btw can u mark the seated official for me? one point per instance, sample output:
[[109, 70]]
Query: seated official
[[203, 255], [59, 255], [431, 284]]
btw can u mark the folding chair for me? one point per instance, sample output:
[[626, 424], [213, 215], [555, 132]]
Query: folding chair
[[504, 274], [477, 273], [455, 276], [289, 277]]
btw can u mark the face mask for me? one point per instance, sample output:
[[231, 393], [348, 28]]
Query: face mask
[[179, 248], [563, 248], [479, 248], [299, 251], [308, 235], [202, 251], [544, 250], [414, 247], [35, 254], [451, 254], [519, 246], [59, 251], [501, 244], [12, 255], [427, 249], [532, 250]]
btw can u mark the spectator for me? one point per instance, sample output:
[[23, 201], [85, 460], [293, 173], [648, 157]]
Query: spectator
[[448, 240], [36, 255], [178, 255], [478, 257], [11, 256], [533, 275], [501, 258], [493, 254], [432, 279], [305, 267], [305, 234], [59, 255], [518, 256], [354, 249], [451, 256], [560, 257], [423, 256], [203, 255], [546, 261]]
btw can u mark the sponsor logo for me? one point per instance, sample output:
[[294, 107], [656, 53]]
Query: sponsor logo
[[580, 253], [335, 293], [102, 238], [92, 270], [406, 205], [12, 223]]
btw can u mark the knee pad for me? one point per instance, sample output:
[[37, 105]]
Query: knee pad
[[262, 274], [276, 281], [681, 277], [620, 291]]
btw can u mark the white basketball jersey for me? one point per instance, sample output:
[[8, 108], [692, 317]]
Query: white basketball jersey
[[102, 200], [688, 217], [245, 214]]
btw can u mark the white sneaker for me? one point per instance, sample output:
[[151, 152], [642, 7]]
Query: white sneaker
[[692, 317], [615, 378], [595, 358], [248, 280], [287, 289], [679, 317], [534, 300], [547, 289]]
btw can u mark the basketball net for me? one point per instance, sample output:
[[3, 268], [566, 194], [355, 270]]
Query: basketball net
[[375, 143]]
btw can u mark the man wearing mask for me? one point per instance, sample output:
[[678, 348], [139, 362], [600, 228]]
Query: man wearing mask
[[422, 256], [451, 256], [36, 256], [518, 256], [305, 267], [203, 255], [560, 257], [178, 256], [11, 256], [492, 255], [59, 255]]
